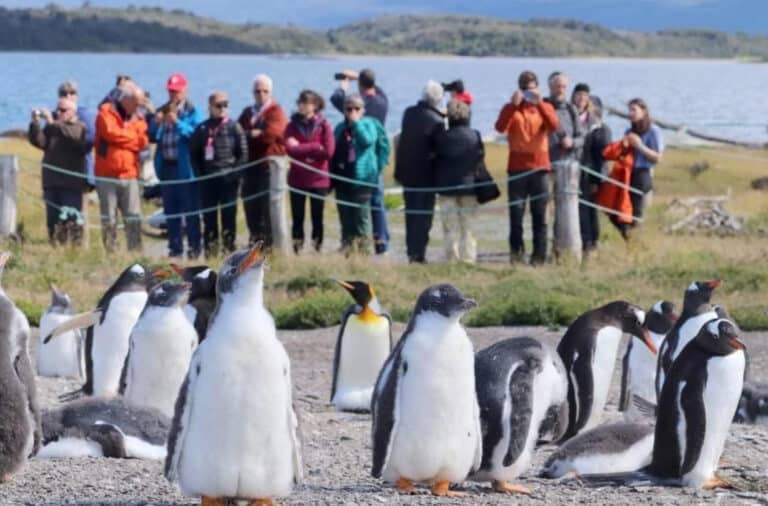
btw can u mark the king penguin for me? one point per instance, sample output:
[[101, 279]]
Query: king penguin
[[363, 344], [638, 376], [161, 346], [234, 429], [64, 356], [696, 407], [20, 432], [588, 350], [518, 381], [426, 422], [696, 312], [202, 295]]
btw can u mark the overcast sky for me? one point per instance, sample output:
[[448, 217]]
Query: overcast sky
[[729, 15]]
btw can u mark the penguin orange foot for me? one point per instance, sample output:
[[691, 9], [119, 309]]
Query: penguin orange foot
[[505, 487], [717, 482], [443, 489], [261, 502], [212, 501], [405, 486]]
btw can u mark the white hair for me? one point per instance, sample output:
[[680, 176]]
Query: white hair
[[263, 79], [130, 90], [432, 93]]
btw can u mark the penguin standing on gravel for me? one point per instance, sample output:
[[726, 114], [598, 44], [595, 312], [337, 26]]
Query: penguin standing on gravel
[[161, 346], [202, 296], [234, 430], [426, 423], [518, 381], [588, 350], [363, 344], [19, 412], [696, 312], [696, 407], [62, 357], [638, 378]]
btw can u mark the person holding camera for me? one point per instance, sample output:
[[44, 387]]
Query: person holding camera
[[527, 120], [65, 145], [217, 147], [458, 92]]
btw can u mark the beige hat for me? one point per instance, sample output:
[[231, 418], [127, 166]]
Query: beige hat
[[354, 100]]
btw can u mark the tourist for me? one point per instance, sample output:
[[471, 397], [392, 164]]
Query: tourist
[[264, 124], [64, 142], [458, 152], [458, 91], [361, 154], [648, 144], [68, 89], [121, 134], [217, 148], [376, 106], [309, 141], [527, 121], [171, 127], [414, 168], [565, 144]]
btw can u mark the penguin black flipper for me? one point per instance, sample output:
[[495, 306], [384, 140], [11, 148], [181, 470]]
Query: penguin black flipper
[[87, 387], [23, 369], [124, 372], [521, 397], [351, 310], [180, 420], [692, 407], [580, 392], [385, 397], [110, 438], [624, 398]]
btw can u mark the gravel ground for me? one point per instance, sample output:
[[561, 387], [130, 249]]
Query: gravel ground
[[337, 452]]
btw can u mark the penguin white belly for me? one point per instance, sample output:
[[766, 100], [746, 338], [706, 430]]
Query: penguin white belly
[[642, 370], [110, 341], [603, 363], [238, 443], [690, 329], [61, 356], [364, 348], [725, 377], [436, 430], [137, 448], [190, 313], [631, 459], [69, 447], [162, 343]]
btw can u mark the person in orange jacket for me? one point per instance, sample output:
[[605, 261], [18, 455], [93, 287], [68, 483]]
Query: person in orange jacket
[[528, 120], [615, 197], [121, 133]]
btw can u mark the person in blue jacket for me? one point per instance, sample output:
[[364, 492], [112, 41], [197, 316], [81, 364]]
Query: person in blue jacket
[[171, 128]]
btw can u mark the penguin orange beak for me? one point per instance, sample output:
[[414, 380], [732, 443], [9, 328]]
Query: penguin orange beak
[[177, 269], [255, 257], [713, 284], [647, 340], [345, 285], [736, 344], [161, 273]]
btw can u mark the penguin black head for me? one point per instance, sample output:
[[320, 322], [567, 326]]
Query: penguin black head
[[169, 294], [246, 265], [443, 299], [135, 278], [699, 293], [631, 320], [361, 291], [203, 284], [662, 317], [188, 273], [60, 301], [720, 337]]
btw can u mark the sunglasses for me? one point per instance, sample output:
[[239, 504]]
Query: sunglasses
[[260, 92], [67, 93], [62, 111], [350, 109], [221, 105]]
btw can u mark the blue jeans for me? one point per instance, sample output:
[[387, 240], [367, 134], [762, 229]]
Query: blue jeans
[[379, 219], [181, 198]]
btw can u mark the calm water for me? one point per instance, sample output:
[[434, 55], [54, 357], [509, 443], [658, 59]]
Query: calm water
[[725, 98]]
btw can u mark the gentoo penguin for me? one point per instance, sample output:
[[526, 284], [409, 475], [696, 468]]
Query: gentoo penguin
[[518, 381], [588, 350], [612, 448], [696, 407], [426, 423], [161, 346], [363, 344], [202, 295], [753, 405], [638, 376], [19, 412], [93, 427], [696, 312], [234, 429], [109, 329], [63, 356]]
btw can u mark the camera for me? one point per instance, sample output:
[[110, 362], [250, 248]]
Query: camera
[[347, 74], [456, 86]]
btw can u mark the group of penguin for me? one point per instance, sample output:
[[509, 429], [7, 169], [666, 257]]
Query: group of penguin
[[193, 372]]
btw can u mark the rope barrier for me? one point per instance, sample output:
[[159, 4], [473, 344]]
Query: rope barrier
[[609, 210]]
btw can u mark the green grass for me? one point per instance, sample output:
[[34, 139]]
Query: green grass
[[301, 292]]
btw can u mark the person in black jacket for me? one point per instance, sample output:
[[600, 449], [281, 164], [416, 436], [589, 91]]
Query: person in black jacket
[[414, 168], [597, 138], [218, 146], [458, 151]]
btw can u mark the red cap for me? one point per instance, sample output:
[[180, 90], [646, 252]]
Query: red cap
[[177, 82], [465, 97]]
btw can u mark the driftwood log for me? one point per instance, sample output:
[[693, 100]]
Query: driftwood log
[[704, 214]]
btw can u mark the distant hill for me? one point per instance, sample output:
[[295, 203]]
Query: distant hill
[[157, 30]]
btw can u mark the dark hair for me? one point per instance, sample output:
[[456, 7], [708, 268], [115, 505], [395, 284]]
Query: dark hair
[[526, 77], [309, 96], [366, 79], [642, 126], [121, 78]]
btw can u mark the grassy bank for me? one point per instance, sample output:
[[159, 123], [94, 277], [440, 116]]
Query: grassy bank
[[301, 294]]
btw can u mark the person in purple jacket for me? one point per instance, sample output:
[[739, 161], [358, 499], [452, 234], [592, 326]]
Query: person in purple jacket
[[309, 141]]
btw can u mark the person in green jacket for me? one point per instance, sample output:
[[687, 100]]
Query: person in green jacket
[[362, 152]]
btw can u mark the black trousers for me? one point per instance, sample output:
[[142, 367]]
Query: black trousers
[[589, 221], [642, 180], [418, 224], [256, 182], [316, 208], [535, 184], [56, 199], [220, 193]]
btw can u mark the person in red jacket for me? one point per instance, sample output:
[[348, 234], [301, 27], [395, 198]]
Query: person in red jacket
[[309, 140], [264, 124], [527, 120]]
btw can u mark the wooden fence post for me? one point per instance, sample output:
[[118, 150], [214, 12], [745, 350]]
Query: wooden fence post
[[9, 170], [278, 189], [567, 229]]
